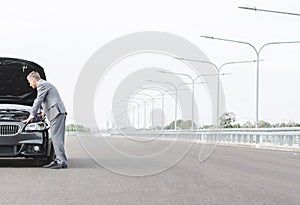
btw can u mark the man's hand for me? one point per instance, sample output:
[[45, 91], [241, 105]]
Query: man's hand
[[28, 120], [43, 114]]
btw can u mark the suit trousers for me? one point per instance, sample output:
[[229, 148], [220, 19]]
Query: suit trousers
[[57, 134]]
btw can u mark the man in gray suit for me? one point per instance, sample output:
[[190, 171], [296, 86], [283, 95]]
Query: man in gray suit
[[49, 99]]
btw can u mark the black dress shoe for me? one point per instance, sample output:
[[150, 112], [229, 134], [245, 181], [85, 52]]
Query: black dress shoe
[[64, 166], [53, 163], [59, 166]]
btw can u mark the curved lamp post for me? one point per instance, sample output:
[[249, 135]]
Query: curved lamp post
[[176, 94], [193, 90], [257, 52], [176, 91], [271, 11], [218, 69], [152, 104], [145, 108], [138, 117], [162, 105]]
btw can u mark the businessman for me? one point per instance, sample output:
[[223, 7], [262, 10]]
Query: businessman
[[49, 99]]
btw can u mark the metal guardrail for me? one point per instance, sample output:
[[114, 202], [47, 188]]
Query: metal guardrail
[[271, 136]]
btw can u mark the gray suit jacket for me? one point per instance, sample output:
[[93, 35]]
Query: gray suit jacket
[[49, 99]]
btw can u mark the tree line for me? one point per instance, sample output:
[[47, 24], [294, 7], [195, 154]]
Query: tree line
[[228, 120]]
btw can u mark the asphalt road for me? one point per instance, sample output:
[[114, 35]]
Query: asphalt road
[[231, 175]]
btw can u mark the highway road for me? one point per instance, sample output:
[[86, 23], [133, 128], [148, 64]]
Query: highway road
[[231, 175]]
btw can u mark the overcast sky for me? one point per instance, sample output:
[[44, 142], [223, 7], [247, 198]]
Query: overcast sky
[[62, 35]]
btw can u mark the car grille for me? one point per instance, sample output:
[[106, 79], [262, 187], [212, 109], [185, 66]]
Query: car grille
[[9, 130]]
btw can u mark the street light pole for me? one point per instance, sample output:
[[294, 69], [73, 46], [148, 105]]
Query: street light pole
[[218, 69], [145, 109], [162, 105], [163, 100], [138, 120], [257, 52], [120, 116], [265, 10], [132, 107], [152, 105], [193, 91], [176, 92]]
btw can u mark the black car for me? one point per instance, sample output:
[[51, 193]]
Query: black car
[[16, 98]]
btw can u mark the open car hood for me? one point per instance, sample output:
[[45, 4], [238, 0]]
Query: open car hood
[[14, 88]]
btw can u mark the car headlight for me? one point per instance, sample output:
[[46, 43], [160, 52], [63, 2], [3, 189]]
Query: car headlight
[[37, 126]]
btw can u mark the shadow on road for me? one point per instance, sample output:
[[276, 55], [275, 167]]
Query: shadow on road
[[77, 163], [5, 163], [82, 163]]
